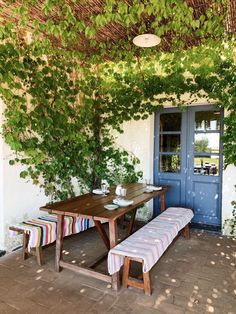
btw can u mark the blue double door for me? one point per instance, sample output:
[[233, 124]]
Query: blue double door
[[187, 158]]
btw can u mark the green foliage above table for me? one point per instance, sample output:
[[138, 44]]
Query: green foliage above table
[[59, 125], [63, 105]]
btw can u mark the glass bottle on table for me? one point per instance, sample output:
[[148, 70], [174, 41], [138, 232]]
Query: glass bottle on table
[[123, 193], [104, 189]]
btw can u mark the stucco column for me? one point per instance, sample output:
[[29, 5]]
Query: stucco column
[[2, 234]]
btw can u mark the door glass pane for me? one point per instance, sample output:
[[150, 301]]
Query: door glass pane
[[169, 143], [206, 143], [206, 165], [207, 120], [169, 163], [170, 122]]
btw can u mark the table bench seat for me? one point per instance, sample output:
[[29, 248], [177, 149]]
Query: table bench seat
[[38, 232], [148, 244]]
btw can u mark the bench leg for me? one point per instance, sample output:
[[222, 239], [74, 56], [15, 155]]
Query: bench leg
[[147, 283], [38, 250], [39, 255], [25, 245], [186, 232], [126, 270]]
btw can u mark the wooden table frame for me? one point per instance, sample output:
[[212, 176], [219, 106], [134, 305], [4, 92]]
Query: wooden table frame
[[92, 206]]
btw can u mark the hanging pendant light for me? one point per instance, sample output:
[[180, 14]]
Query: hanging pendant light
[[146, 40]]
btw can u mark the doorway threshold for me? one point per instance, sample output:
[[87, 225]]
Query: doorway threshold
[[207, 228]]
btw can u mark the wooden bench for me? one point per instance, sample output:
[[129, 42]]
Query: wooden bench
[[37, 251], [47, 224], [148, 244]]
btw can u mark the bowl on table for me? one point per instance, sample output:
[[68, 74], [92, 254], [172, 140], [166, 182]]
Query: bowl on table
[[123, 202], [111, 206]]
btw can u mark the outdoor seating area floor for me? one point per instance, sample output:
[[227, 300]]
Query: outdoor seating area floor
[[193, 276]]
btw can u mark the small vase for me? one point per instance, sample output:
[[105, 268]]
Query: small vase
[[118, 190]]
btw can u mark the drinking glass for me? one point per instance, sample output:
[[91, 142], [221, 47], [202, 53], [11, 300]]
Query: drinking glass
[[104, 189], [148, 182]]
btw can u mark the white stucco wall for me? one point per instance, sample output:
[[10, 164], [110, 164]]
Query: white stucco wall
[[228, 191], [138, 138], [1, 185], [19, 198]]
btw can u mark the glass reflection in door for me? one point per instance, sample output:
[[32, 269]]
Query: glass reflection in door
[[170, 142], [207, 143]]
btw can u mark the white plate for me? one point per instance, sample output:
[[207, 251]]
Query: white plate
[[123, 203], [111, 206], [152, 188], [148, 190], [99, 191], [156, 188]]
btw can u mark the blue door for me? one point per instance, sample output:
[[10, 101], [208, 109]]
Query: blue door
[[187, 158]]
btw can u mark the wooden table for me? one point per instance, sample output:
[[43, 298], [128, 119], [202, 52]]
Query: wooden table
[[92, 206]]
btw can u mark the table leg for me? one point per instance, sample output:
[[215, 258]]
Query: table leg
[[113, 241], [59, 241], [102, 233], [163, 202], [131, 224]]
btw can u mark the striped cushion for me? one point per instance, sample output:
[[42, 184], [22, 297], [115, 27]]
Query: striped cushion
[[151, 241], [42, 230]]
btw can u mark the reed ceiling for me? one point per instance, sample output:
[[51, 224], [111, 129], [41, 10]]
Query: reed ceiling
[[115, 32]]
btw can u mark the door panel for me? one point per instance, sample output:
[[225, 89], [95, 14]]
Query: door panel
[[205, 212], [188, 159], [169, 157], [205, 162]]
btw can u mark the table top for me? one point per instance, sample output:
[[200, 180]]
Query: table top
[[92, 206]]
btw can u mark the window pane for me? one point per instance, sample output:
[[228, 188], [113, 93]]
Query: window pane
[[170, 122], [207, 143], [207, 120], [169, 163], [169, 143], [206, 165]]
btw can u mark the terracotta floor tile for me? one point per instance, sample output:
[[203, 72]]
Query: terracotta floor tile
[[193, 276]]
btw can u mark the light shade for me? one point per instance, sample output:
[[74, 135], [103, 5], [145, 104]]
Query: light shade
[[146, 40]]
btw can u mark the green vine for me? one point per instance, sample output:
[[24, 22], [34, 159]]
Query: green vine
[[230, 224], [57, 126]]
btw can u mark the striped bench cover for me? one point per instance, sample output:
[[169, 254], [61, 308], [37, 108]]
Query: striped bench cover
[[42, 230], [151, 241]]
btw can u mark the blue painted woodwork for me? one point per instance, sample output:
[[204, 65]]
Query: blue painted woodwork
[[189, 188]]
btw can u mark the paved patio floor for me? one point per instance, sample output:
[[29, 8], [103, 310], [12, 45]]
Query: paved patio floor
[[193, 276]]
